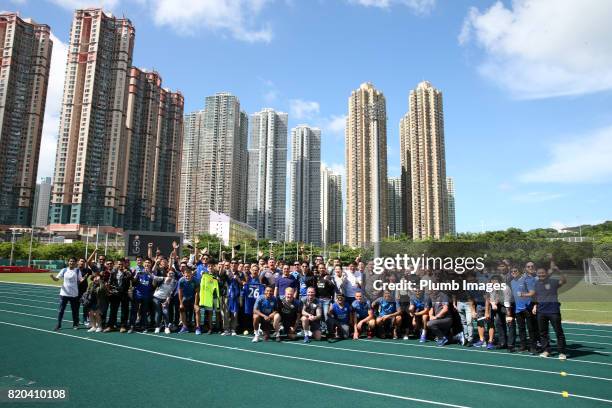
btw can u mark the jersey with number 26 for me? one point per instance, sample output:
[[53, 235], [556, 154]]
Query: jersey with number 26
[[250, 292]]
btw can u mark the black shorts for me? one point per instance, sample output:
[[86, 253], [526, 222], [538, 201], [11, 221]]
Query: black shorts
[[266, 325], [288, 322]]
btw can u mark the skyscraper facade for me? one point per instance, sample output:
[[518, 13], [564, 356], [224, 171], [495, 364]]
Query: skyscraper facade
[[366, 166], [42, 197], [331, 207], [267, 174], [190, 177], [154, 136], [214, 168], [305, 175], [25, 59], [394, 194], [424, 164], [450, 199], [88, 183]]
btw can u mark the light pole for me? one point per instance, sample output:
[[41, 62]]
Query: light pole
[[272, 243], [87, 243], [12, 245], [31, 239], [372, 112]]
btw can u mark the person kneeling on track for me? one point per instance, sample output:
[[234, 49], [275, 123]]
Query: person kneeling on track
[[312, 313], [363, 316], [289, 310], [264, 312], [440, 320], [389, 315], [338, 318], [420, 304]]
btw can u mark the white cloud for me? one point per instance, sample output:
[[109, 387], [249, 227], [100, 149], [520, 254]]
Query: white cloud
[[77, 4], [536, 197], [270, 94], [337, 168], [301, 109], [585, 159], [544, 48], [416, 6], [53, 108], [235, 17], [336, 124]]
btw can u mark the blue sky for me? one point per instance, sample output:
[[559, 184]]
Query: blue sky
[[527, 85]]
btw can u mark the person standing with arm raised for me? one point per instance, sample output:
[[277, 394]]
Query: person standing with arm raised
[[69, 292]]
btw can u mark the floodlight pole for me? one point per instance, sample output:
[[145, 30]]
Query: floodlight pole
[[31, 239]]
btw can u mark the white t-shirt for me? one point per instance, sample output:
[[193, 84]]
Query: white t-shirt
[[354, 283], [70, 285]]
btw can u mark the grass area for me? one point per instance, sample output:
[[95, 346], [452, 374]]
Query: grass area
[[41, 278], [578, 298]]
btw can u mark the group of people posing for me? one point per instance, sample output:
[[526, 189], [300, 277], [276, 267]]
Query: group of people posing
[[279, 300]]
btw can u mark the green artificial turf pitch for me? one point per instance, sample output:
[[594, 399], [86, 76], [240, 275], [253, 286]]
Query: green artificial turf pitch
[[113, 369]]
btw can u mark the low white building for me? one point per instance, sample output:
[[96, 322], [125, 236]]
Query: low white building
[[230, 231]]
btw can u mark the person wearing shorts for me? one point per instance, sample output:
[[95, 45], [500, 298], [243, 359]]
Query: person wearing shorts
[[338, 319], [187, 288], [263, 314], [289, 311], [363, 316], [418, 312], [389, 314], [312, 313]]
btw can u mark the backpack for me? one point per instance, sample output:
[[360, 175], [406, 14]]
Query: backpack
[[86, 299]]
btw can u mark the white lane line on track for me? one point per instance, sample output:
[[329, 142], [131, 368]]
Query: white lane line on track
[[283, 377], [416, 345], [352, 350]]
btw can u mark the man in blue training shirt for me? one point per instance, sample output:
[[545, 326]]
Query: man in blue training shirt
[[231, 301], [286, 280], [142, 294], [548, 310], [338, 318], [523, 288], [263, 314], [363, 316], [389, 314], [187, 288]]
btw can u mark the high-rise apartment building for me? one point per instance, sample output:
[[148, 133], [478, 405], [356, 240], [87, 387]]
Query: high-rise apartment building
[[332, 224], [88, 184], [42, 198], [366, 166], [267, 174], [394, 194], [25, 58], [190, 177], [153, 151], [424, 164], [213, 172], [305, 175], [450, 199]]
